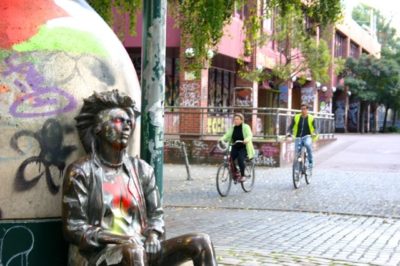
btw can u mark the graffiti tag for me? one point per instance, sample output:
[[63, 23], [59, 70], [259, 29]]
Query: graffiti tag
[[190, 95], [38, 99], [26, 241], [52, 153]]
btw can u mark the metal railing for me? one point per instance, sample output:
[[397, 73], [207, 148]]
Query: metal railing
[[214, 121]]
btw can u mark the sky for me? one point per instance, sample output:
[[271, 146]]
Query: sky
[[389, 8]]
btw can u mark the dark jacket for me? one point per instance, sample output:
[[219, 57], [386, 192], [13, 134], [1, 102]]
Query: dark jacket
[[82, 202]]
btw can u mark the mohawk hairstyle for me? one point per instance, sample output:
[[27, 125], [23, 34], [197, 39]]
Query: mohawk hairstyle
[[93, 105]]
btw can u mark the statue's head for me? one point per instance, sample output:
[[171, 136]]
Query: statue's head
[[107, 117]]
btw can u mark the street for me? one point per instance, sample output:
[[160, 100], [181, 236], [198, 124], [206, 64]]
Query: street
[[348, 215]]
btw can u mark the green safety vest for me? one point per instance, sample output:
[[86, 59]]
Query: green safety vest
[[297, 121]]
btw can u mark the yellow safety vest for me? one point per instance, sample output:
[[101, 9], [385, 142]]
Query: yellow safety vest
[[297, 121]]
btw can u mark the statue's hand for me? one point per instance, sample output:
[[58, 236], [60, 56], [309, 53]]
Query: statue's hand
[[152, 243]]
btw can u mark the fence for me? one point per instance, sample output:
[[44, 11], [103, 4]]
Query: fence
[[211, 121]]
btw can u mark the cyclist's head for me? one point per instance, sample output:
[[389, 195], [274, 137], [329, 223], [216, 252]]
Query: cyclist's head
[[304, 109], [238, 119]]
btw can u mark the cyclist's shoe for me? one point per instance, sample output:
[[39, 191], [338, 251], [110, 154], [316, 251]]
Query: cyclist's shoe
[[241, 178], [310, 165]]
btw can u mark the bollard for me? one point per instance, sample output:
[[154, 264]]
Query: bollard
[[183, 148]]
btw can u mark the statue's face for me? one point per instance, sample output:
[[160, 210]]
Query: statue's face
[[115, 127]]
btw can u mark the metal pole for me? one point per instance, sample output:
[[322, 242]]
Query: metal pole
[[185, 156], [153, 86]]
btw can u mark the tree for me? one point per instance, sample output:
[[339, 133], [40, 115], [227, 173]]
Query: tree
[[374, 80], [390, 54]]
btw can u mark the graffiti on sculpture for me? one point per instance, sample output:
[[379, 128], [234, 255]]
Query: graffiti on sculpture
[[11, 254], [190, 94], [52, 153], [339, 114], [36, 99], [307, 96], [353, 115]]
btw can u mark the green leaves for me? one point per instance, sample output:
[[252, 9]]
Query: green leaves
[[122, 7], [201, 23], [373, 79]]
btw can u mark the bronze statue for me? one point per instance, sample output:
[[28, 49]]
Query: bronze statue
[[111, 209]]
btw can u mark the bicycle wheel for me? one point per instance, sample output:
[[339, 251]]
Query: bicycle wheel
[[296, 171], [223, 180], [250, 175]]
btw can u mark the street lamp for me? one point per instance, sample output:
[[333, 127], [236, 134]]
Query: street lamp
[[294, 78], [189, 52], [324, 89], [333, 89], [349, 93], [318, 84]]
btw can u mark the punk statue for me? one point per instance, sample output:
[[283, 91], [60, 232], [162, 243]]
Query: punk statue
[[111, 208]]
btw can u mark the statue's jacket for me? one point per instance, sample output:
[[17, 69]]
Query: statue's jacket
[[82, 203]]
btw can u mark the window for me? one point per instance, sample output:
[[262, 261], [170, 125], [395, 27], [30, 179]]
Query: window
[[220, 87], [339, 45], [354, 50]]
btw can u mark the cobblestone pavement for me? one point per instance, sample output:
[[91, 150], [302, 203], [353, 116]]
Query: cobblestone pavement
[[267, 236], [348, 215]]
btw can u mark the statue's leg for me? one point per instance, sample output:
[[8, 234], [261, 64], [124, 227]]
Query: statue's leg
[[195, 247], [133, 255], [120, 255]]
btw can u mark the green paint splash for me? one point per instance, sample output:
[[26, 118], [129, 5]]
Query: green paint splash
[[62, 39]]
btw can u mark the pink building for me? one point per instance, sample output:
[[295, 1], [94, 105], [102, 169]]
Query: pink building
[[200, 110]]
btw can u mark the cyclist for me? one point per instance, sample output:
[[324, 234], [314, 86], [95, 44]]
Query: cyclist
[[240, 132], [302, 125]]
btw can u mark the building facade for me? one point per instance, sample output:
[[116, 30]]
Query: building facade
[[199, 110]]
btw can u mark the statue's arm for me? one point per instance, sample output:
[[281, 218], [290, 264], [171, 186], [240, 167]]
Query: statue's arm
[[76, 227], [155, 212]]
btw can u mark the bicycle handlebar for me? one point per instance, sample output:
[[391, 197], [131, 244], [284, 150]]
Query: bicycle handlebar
[[226, 145]]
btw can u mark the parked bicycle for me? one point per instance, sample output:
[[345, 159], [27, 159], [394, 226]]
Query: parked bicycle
[[228, 171], [300, 169]]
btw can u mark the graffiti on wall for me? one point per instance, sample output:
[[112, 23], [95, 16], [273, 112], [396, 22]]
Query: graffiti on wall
[[325, 106], [354, 108], [218, 124], [243, 97], [339, 114], [52, 153], [307, 96], [288, 151], [266, 154], [190, 94], [16, 255]]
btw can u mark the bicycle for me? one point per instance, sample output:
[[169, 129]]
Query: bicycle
[[299, 168], [228, 171]]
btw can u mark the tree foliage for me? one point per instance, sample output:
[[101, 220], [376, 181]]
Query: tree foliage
[[121, 7], [300, 53]]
